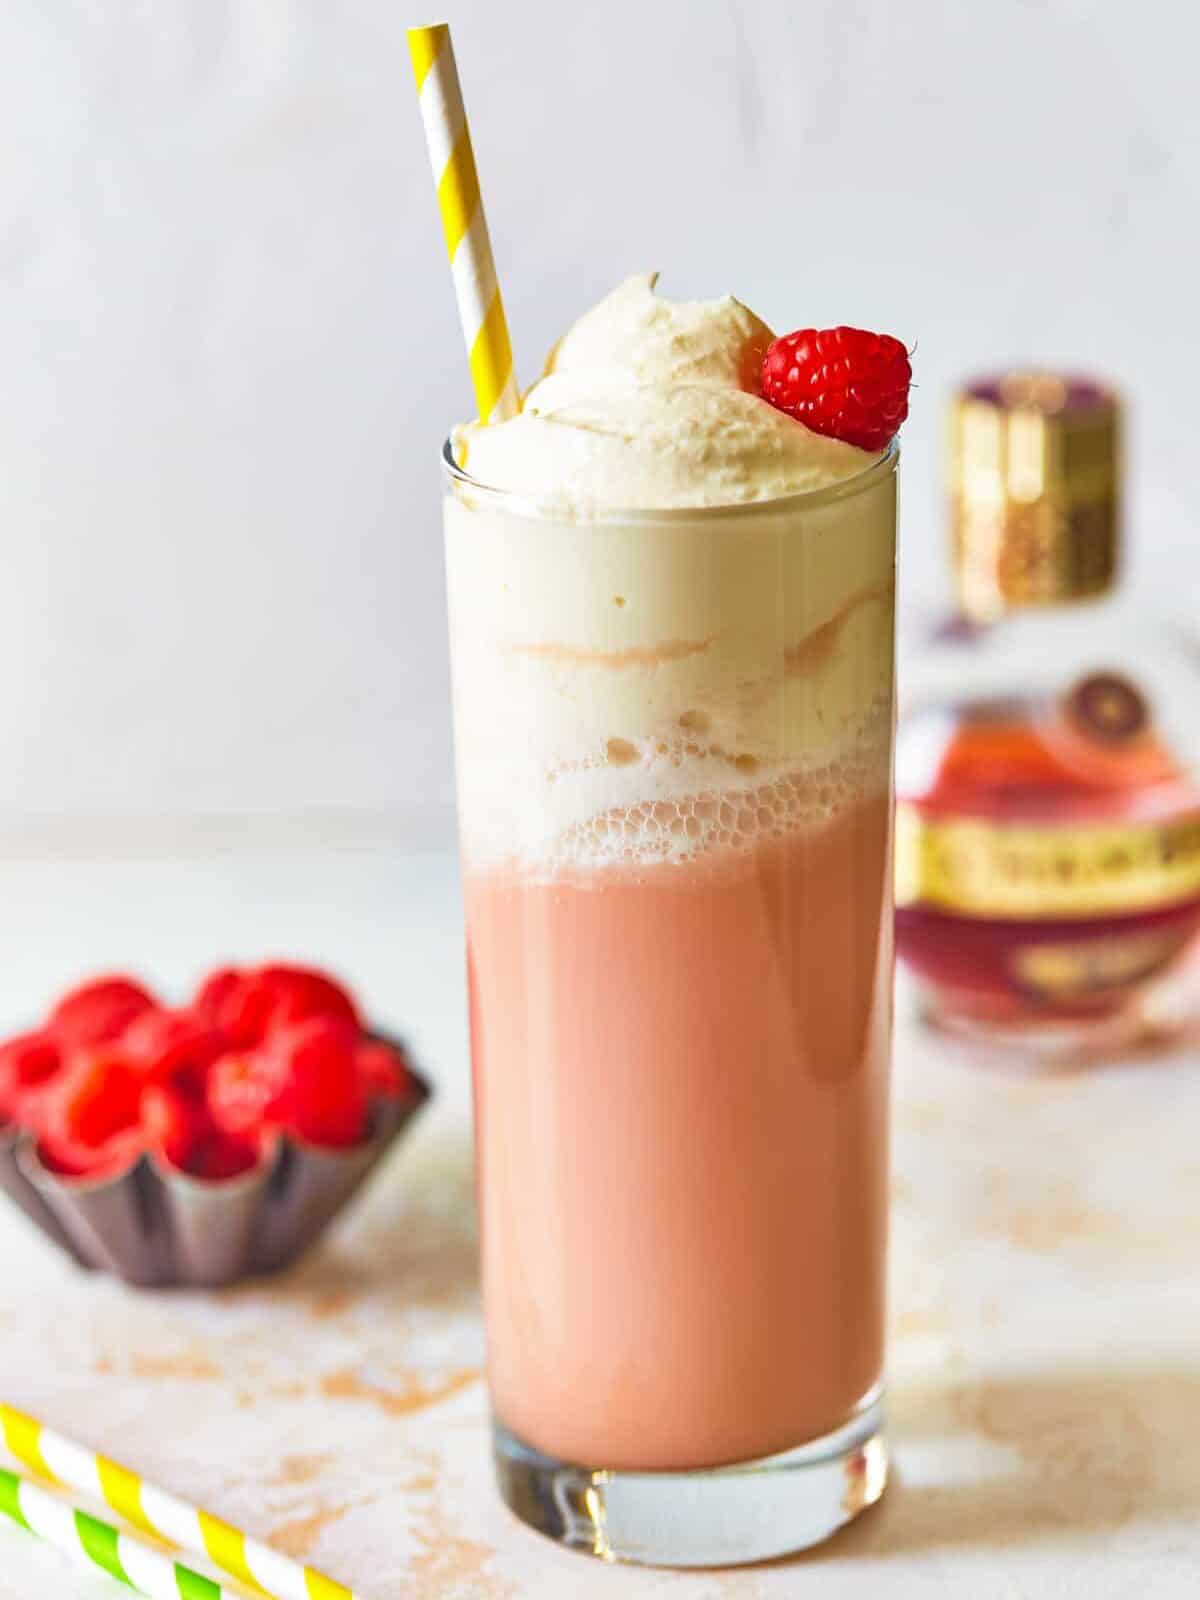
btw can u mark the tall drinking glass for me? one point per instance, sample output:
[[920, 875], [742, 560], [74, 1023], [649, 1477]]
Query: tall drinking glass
[[674, 750]]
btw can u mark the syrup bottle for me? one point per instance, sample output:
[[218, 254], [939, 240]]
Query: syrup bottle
[[1048, 815]]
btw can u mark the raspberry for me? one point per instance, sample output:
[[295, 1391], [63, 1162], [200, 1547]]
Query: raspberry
[[246, 1091], [383, 1070], [98, 1097], [64, 1159], [175, 1122], [248, 1005], [843, 382], [88, 1123], [222, 1156], [173, 1047], [215, 993], [300, 993], [70, 1158], [325, 1101], [98, 1013], [180, 1126], [29, 1064]]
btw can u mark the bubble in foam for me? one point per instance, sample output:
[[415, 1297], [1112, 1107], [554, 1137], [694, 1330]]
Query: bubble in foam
[[621, 752]]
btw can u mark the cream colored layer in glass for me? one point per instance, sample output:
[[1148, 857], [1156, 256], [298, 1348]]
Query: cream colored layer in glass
[[612, 677]]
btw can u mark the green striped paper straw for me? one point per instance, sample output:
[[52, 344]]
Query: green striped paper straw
[[58, 1460], [98, 1544]]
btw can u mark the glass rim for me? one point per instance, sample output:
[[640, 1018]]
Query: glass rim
[[519, 502]]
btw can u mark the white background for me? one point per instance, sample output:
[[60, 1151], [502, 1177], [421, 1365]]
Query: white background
[[228, 347]]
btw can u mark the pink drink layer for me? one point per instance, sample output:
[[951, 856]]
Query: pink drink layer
[[681, 1096]]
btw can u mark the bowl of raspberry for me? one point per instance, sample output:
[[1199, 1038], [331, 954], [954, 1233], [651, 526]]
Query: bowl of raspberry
[[203, 1143]]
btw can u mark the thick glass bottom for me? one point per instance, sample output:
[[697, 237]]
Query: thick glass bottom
[[716, 1517]]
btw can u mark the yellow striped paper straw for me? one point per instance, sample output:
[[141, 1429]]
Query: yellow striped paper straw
[[468, 243], [164, 1516]]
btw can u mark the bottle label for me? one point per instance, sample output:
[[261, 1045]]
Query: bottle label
[[981, 868]]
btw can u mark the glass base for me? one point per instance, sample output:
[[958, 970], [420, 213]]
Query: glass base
[[715, 1517]]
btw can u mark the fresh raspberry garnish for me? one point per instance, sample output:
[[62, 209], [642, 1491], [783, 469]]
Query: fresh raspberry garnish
[[246, 1091], [98, 1013], [249, 1005], [173, 1046], [325, 1101], [842, 382], [383, 1070], [29, 1065]]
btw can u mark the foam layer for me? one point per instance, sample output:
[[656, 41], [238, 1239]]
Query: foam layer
[[686, 818], [598, 673]]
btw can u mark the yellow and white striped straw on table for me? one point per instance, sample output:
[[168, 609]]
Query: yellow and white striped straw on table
[[468, 243], [163, 1516]]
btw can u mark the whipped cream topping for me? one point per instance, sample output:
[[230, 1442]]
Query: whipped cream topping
[[649, 403]]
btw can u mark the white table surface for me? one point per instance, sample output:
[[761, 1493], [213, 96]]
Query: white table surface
[[1045, 1355]]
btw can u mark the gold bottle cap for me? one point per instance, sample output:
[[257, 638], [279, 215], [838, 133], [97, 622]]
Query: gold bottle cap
[[1034, 491]]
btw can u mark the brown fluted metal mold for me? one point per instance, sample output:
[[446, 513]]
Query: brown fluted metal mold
[[155, 1226]]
